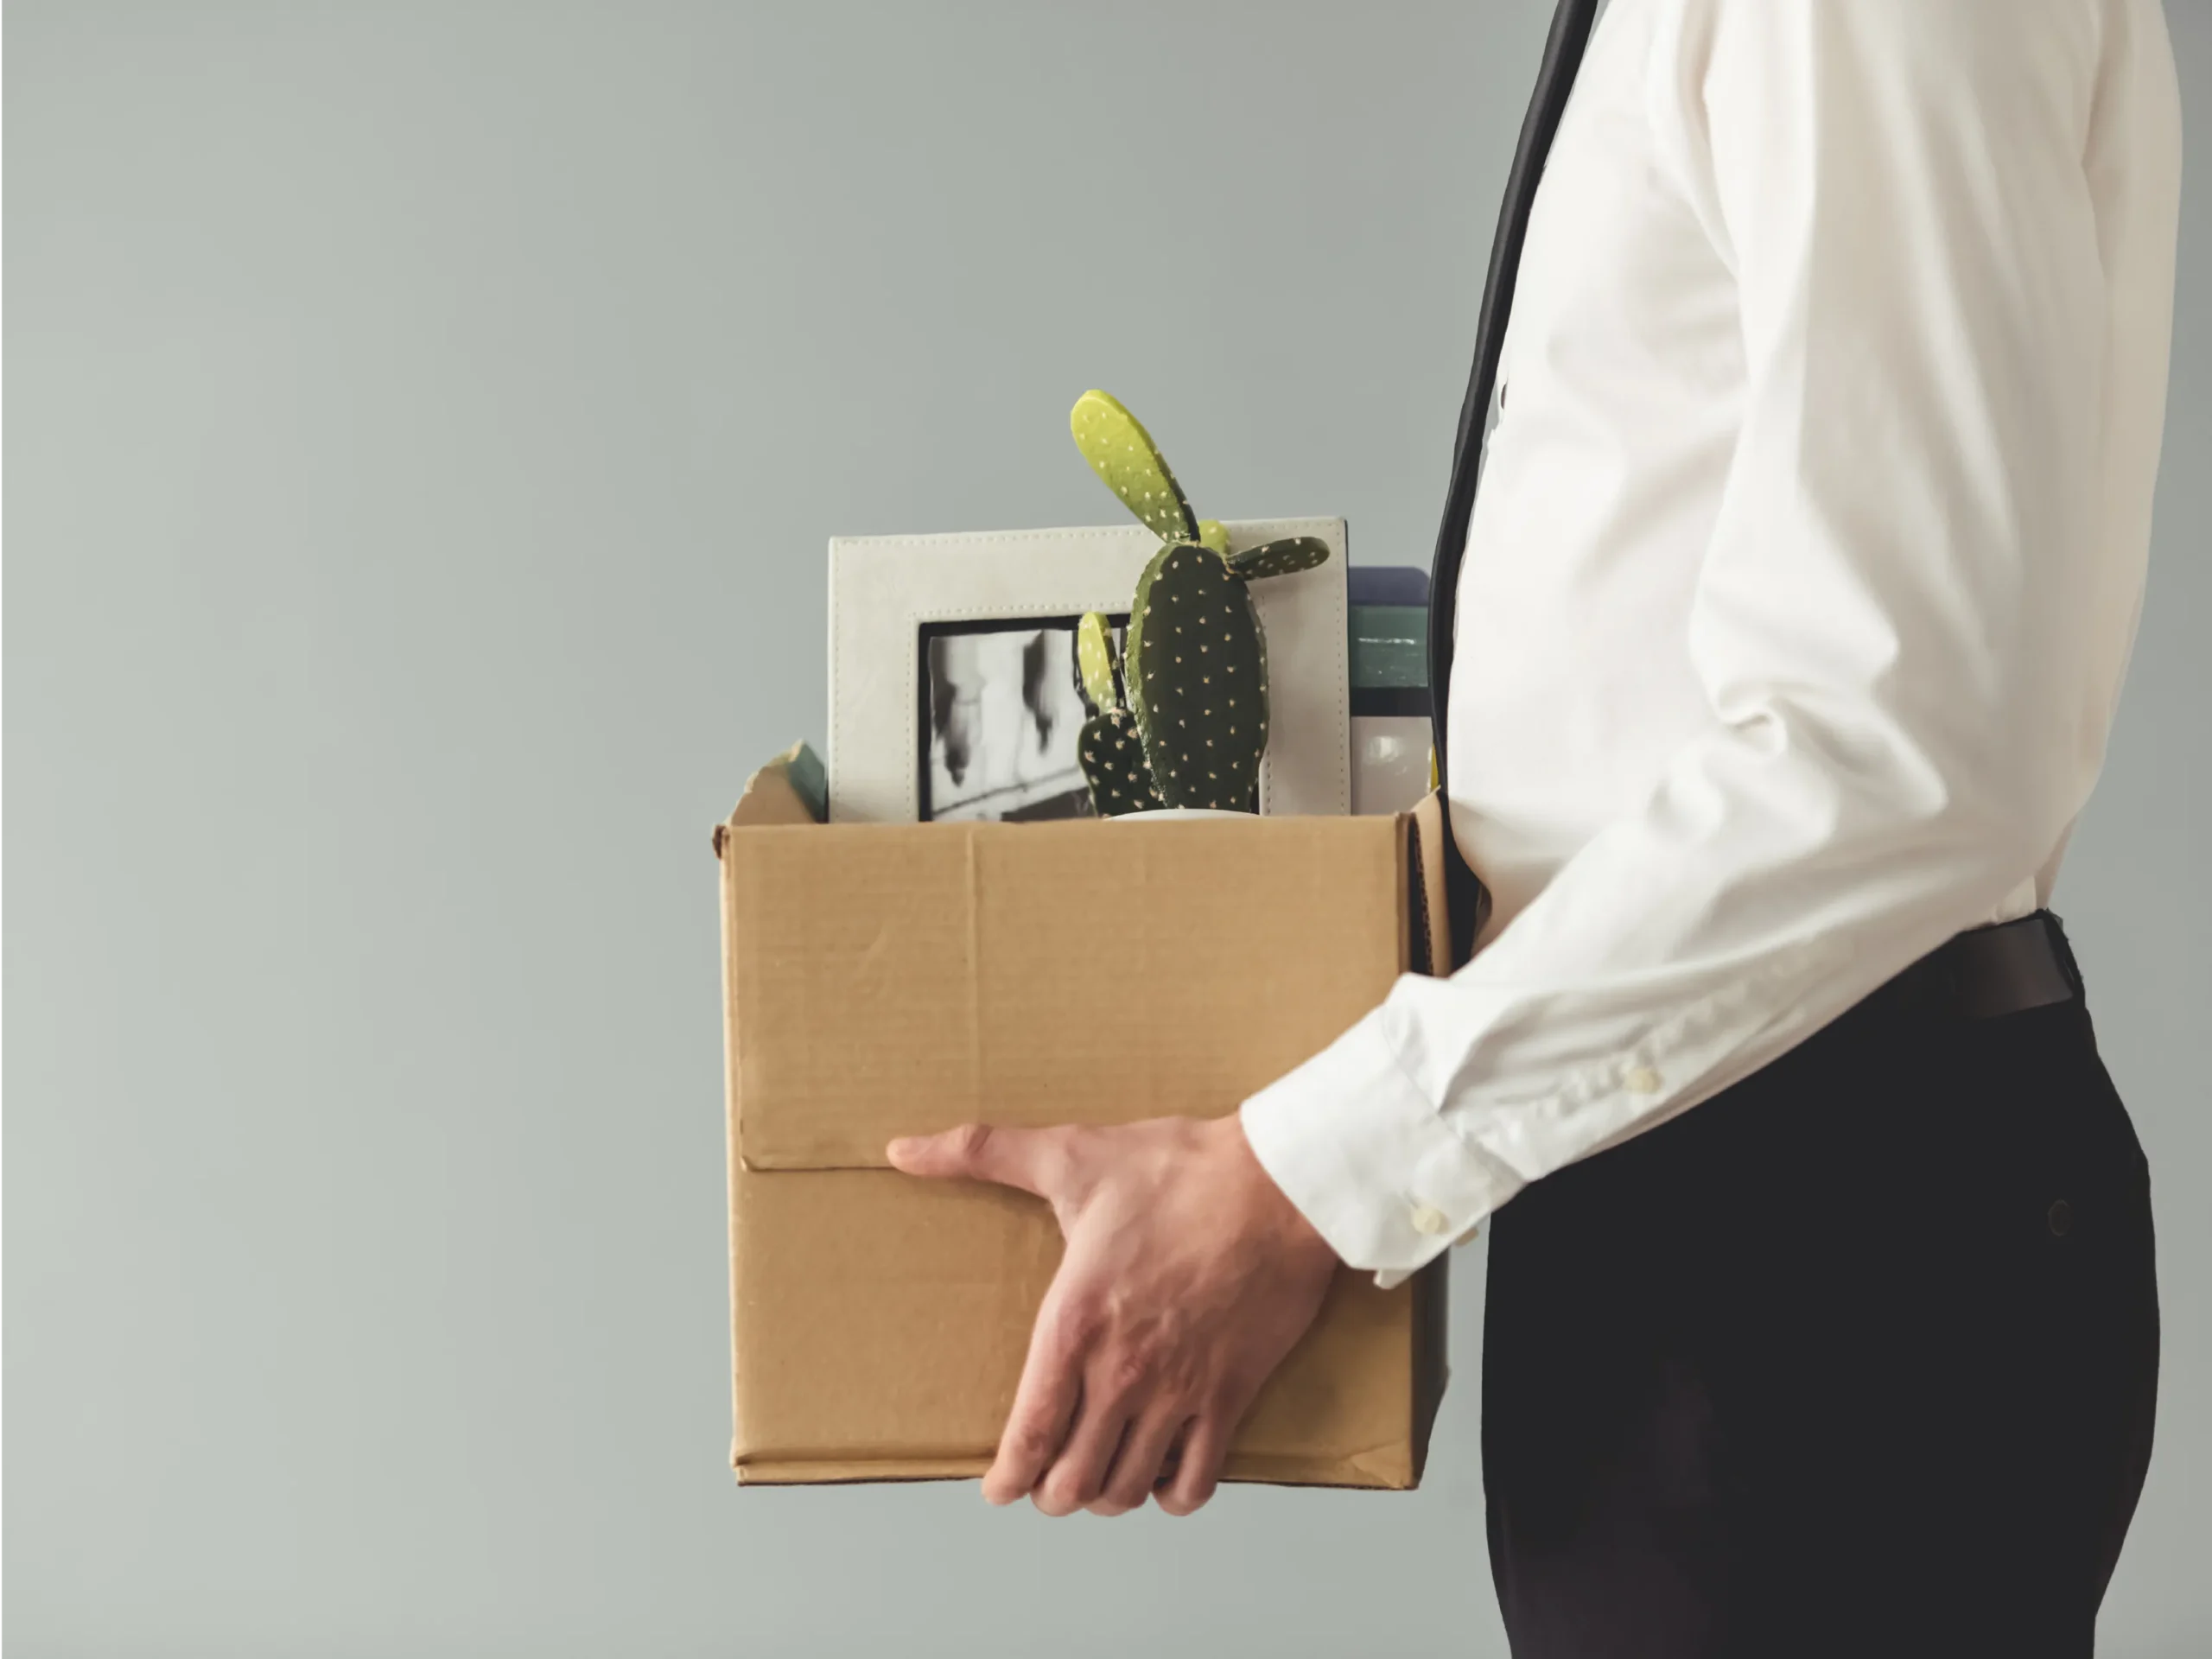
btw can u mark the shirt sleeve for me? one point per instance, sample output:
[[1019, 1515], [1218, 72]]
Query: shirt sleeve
[[1899, 729]]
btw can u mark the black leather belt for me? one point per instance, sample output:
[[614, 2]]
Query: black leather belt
[[1989, 972]]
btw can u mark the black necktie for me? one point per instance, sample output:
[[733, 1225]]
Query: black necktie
[[1570, 33]]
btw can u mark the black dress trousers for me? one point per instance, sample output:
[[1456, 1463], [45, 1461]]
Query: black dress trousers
[[1857, 1357]]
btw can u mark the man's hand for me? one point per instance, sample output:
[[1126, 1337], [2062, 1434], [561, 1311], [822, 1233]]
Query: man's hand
[[1188, 1275]]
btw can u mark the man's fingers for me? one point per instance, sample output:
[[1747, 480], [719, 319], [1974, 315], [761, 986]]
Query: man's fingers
[[1203, 1448], [1028, 1158], [1044, 1405], [1078, 1474], [1136, 1467]]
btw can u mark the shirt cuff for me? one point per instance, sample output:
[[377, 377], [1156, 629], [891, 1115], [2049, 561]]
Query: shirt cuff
[[1366, 1157]]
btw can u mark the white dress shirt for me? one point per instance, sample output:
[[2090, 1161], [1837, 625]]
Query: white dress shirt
[[1801, 579]]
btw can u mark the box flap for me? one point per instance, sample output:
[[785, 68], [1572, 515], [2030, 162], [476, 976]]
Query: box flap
[[887, 980], [1433, 914], [785, 791]]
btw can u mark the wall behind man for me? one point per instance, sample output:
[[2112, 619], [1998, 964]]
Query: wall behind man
[[425, 423]]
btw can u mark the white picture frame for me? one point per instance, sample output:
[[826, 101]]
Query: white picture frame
[[886, 590]]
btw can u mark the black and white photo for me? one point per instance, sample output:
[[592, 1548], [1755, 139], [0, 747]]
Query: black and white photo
[[1005, 707]]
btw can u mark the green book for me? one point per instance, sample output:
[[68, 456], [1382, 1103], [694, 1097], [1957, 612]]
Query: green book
[[1389, 648]]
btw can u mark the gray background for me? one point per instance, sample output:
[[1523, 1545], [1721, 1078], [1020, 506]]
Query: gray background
[[425, 423]]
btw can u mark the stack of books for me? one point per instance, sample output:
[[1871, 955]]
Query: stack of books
[[1389, 658]]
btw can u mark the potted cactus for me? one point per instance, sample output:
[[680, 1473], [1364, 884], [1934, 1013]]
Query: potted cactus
[[1183, 725]]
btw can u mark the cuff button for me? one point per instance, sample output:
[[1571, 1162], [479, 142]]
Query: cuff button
[[1432, 1222], [1643, 1080]]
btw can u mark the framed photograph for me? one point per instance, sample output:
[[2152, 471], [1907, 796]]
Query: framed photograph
[[1001, 704], [953, 688]]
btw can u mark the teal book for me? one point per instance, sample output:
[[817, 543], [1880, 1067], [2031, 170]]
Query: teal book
[[1389, 648]]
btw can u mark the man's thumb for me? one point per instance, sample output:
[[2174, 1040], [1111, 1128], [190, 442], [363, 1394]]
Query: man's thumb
[[979, 1153]]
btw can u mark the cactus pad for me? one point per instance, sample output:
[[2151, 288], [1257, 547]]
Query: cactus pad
[[1195, 669], [1122, 453], [1112, 754], [1282, 558], [1094, 657], [1197, 673], [1110, 748]]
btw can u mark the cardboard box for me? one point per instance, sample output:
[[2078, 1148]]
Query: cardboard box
[[890, 979]]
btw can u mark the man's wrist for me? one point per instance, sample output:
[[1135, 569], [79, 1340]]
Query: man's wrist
[[1294, 1235]]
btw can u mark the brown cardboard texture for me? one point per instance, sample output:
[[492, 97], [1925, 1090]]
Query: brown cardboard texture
[[891, 979]]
